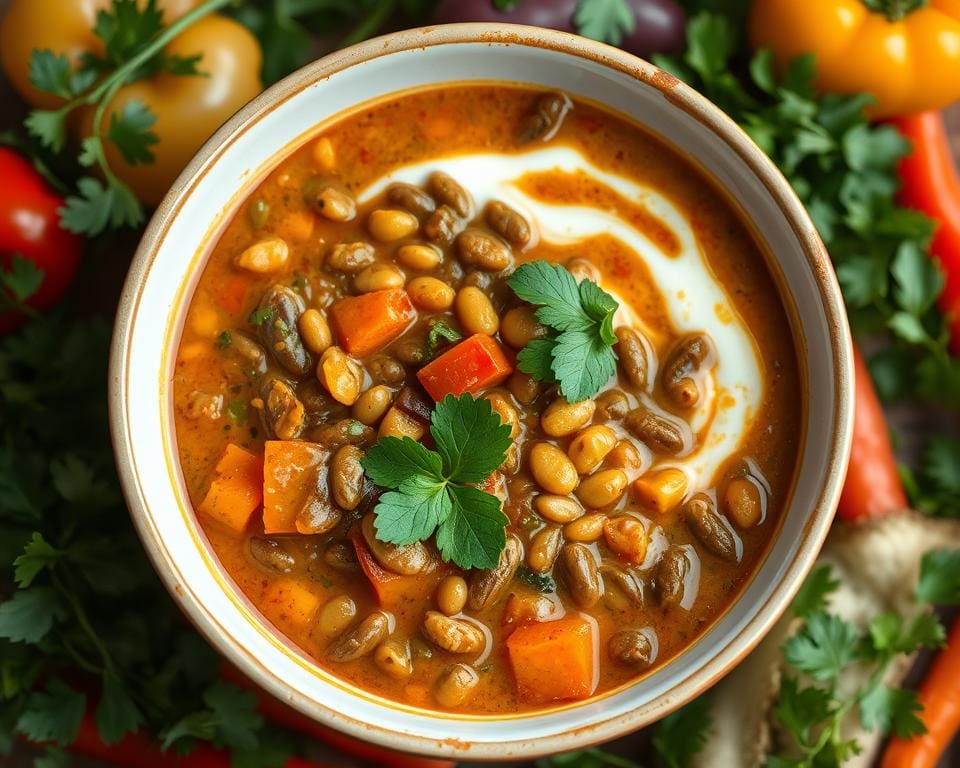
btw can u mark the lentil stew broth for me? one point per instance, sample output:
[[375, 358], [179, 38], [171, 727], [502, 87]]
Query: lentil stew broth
[[309, 585]]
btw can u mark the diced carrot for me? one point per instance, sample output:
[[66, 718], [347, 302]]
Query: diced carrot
[[232, 293], [363, 324], [289, 602], [237, 490], [661, 491], [553, 660], [290, 475], [390, 587], [473, 364]]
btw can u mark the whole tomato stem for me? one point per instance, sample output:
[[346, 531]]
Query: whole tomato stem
[[895, 10]]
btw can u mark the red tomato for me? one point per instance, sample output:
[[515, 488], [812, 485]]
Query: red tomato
[[30, 226]]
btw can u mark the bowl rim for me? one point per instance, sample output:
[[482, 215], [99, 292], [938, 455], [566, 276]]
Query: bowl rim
[[681, 96]]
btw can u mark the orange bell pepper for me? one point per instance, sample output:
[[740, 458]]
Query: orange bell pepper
[[906, 53]]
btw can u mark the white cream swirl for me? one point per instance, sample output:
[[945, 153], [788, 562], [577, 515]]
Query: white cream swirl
[[695, 299]]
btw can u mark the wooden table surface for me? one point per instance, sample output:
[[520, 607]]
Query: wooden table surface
[[912, 422]]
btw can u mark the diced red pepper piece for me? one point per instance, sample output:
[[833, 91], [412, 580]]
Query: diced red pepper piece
[[472, 365], [389, 587], [367, 323]]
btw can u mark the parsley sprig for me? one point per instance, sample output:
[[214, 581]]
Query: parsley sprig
[[578, 354], [813, 709], [435, 491], [134, 39]]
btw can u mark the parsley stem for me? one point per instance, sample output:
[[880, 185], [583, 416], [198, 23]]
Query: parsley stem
[[81, 616], [120, 74], [371, 23], [78, 658]]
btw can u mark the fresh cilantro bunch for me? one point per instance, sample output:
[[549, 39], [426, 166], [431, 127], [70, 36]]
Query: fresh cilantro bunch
[[812, 709], [843, 168], [80, 608], [579, 354], [134, 37], [435, 491]]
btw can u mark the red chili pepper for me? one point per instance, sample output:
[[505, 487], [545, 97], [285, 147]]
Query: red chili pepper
[[872, 487], [931, 184], [30, 227], [939, 695], [137, 750], [279, 713]]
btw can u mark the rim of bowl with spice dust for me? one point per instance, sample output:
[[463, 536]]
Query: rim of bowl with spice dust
[[171, 257]]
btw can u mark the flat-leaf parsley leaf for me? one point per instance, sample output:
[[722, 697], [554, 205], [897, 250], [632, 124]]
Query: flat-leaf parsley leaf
[[579, 354], [433, 492]]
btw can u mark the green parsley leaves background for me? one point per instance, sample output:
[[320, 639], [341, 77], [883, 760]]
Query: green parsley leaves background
[[812, 706]]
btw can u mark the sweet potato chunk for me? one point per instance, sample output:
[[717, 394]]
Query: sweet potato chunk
[[290, 470], [237, 489], [553, 660]]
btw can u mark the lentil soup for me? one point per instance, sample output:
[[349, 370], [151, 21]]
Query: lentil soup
[[450, 244]]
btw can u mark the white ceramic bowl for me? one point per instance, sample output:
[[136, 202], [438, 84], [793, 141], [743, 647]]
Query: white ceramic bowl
[[172, 255]]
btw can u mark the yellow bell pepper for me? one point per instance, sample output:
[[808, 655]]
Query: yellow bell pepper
[[906, 53]]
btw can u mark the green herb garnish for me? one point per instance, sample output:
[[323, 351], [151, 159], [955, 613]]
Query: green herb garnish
[[258, 213], [541, 582], [579, 353], [814, 714], [224, 340], [299, 283], [237, 410], [604, 20], [434, 491], [260, 316], [440, 331]]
